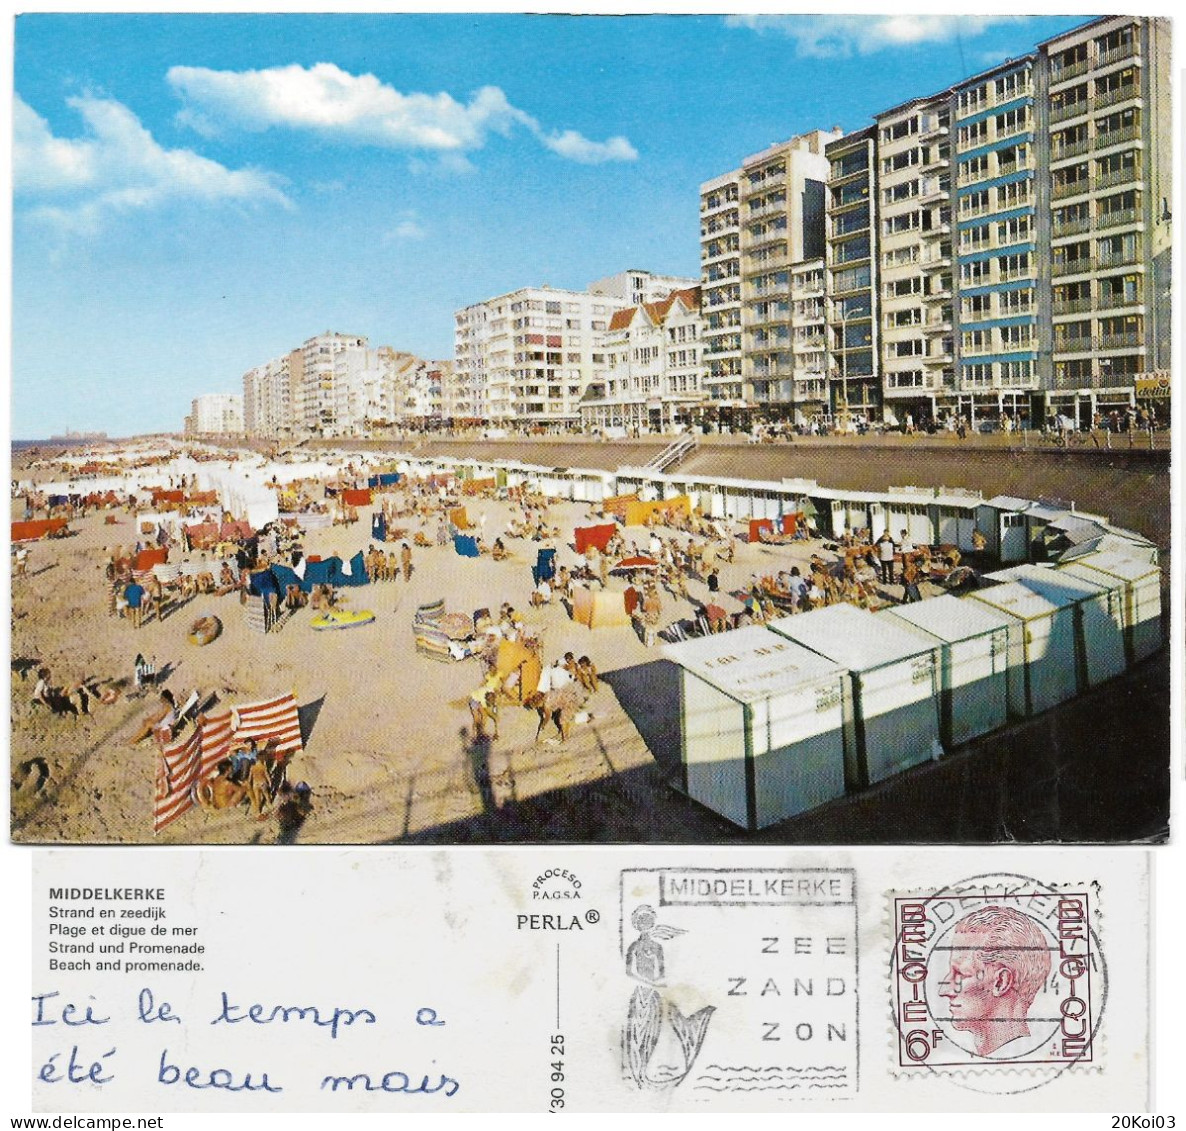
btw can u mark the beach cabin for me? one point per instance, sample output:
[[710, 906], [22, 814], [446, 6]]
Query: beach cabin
[[909, 509], [892, 683], [953, 520], [1048, 641], [980, 663], [1139, 585], [1099, 621], [843, 512], [1002, 522], [762, 723]]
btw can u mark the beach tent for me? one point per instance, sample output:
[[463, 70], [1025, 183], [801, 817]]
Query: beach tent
[[758, 527], [1140, 593], [599, 536], [617, 504], [465, 545], [909, 510], [379, 526], [1048, 641], [519, 669], [545, 566], [36, 529], [601, 608], [762, 724], [893, 685], [356, 497], [183, 765], [980, 657], [354, 572], [459, 518], [953, 518]]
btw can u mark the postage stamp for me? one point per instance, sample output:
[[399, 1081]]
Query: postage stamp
[[998, 974], [741, 980]]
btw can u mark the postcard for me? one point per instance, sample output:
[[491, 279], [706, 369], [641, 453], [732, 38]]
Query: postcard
[[626, 979]]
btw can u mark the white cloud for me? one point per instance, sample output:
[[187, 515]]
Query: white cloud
[[362, 110], [408, 228], [572, 145], [834, 37], [117, 166]]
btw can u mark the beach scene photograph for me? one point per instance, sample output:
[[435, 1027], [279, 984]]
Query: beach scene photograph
[[508, 429]]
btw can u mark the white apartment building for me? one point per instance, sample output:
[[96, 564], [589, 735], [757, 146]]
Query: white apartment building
[[635, 287], [528, 356], [652, 371], [267, 396], [216, 414], [314, 402], [757, 224]]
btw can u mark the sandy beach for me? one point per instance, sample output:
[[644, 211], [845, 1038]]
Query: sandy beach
[[390, 752]]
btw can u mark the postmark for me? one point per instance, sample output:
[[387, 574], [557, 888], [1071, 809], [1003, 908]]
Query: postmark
[[998, 980], [740, 981]]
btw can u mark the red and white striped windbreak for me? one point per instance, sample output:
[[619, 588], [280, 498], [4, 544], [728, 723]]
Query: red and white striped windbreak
[[185, 764]]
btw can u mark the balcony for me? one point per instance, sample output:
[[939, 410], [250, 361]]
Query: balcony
[[937, 326], [943, 295], [938, 358], [770, 208], [1077, 266], [1072, 149], [1072, 227], [1125, 93], [1069, 110], [1069, 71], [1064, 189], [1072, 306], [1082, 344], [1117, 218], [1129, 50], [932, 130], [1126, 258], [1117, 137], [1120, 341], [1107, 301], [1130, 175]]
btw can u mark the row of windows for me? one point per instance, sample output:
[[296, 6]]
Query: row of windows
[[1005, 89], [1013, 121], [1014, 230]]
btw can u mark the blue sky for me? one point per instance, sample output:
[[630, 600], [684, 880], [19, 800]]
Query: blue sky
[[197, 193]]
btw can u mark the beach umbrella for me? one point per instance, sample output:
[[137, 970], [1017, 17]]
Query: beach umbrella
[[629, 565]]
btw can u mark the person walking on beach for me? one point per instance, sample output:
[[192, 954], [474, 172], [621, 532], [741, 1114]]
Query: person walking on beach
[[134, 597], [405, 554], [885, 557]]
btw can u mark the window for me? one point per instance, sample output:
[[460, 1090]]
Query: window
[[1014, 194], [1017, 373], [977, 375], [1012, 85], [911, 348], [1011, 159], [901, 192], [1015, 230], [1012, 121], [974, 202], [975, 341], [1011, 266], [976, 306], [907, 379], [1017, 302], [908, 221], [1016, 337], [900, 161], [904, 287], [974, 134], [975, 169], [974, 272], [911, 317], [972, 100], [902, 256], [973, 238]]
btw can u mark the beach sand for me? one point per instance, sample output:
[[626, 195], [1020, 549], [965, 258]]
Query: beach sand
[[390, 752]]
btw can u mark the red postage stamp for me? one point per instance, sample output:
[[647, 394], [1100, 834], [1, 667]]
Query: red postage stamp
[[999, 971]]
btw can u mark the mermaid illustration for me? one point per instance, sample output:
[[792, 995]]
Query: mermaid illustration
[[644, 1018]]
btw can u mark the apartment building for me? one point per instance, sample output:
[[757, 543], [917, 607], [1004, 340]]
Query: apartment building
[[215, 414], [851, 276], [267, 397], [1109, 175], [636, 287], [757, 224], [651, 376], [1001, 310], [1002, 247], [528, 356]]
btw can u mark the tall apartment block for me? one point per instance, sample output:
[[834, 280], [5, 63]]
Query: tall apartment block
[[759, 226], [528, 356], [215, 414], [1002, 247], [1110, 184]]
